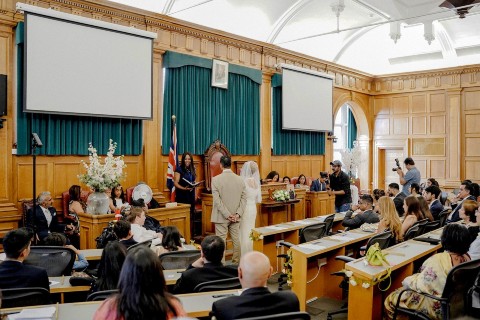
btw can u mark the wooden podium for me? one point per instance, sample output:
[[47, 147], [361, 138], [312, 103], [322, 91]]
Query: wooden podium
[[91, 225], [318, 203]]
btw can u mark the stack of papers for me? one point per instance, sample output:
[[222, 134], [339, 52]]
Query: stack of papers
[[340, 238], [311, 246], [305, 222], [35, 313], [275, 228]]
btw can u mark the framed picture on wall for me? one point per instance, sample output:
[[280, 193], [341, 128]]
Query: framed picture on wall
[[220, 74]]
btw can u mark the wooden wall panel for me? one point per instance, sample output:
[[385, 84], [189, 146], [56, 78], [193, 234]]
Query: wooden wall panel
[[437, 102], [400, 126], [472, 147], [419, 103], [381, 106], [421, 165], [472, 169], [400, 105], [437, 168], [472, 123], [437, 124], [419, 125], [472, 100], [382, 126]]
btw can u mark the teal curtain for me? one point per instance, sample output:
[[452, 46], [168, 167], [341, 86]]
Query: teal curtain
[[290, 142], [70, 135], [205, 113], [352, 129]]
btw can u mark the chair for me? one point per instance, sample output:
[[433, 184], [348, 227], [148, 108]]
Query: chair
[[23, 297], [453, 302], [147, 244], [411, 233], [101, 295], [473, 298], [129, 194], [58, 261], [383, 240], [329, 222], [66, 199], [218, 285], [178, 259], [421, 227], [300, 315], [442, 216], [432, 225]]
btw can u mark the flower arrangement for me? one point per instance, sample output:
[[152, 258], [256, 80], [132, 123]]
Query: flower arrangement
[[255, 236], [101, 176], [287, 267], [281, 195], [352, 158]]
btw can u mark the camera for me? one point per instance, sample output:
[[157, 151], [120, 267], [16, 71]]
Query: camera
[[398, 165]]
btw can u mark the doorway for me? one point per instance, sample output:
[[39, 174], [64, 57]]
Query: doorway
[[386, 161]]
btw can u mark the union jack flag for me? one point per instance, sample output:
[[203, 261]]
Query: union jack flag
[[172, 163]]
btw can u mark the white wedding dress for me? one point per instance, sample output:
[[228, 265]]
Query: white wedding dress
[[249, 215]]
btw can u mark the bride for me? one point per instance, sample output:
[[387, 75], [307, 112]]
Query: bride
[[251, 177]]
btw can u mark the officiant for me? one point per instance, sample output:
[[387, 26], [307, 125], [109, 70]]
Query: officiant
[[184, 182]]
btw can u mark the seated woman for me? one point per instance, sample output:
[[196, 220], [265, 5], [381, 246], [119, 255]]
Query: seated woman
[[302, 182], [171, 240], [414, 189], [413, 214], [75, 206], [141, 291], [117, 199], [287, 180], [433, 274], [467, 213], [59, 240], [377, 194], [111, 262], [389, 220], [272, 177], [425, 209]]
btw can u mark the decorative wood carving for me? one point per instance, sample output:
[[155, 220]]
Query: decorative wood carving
[[211, 160]]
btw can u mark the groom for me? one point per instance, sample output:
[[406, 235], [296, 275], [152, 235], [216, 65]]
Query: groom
[[229, 199]]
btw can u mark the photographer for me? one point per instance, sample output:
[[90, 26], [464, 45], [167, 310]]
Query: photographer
[[339, 187], [412, 175]]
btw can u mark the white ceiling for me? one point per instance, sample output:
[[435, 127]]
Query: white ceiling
[[360, 41]]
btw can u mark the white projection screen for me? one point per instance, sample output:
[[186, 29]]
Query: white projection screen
[[79, 66], [306, 100]]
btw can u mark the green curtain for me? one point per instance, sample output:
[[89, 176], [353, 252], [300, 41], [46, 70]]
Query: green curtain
[[70, 135], [205, 113], [290, 142], [352, 129]]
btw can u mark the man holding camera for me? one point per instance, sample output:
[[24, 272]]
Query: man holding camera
[[412, 175], [339, 186]]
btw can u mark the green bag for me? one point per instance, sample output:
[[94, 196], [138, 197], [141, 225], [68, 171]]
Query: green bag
[[375, 257]]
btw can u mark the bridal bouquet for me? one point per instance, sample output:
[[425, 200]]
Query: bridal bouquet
[[101, 176], [281, 195]]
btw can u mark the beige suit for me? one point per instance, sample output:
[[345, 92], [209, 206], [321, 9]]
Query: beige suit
[[229, 198]]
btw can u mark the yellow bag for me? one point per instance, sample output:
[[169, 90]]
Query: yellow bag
[[375, 257]]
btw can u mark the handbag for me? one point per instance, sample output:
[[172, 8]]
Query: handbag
[[375, 257]]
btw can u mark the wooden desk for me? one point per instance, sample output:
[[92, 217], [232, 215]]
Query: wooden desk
[[171, 276], [278, 212], [92, 254], [62, 285], [319, 203], [308, 282], [290, 232], [405, 259]]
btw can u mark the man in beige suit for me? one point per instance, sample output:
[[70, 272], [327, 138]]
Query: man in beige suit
[[229, 199]]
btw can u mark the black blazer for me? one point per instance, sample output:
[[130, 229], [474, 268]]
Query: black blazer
[[255, 302], [398, 200], [365, 217], [455, 214], [37, 221], [436, 208], [192, 277], [14, 274]]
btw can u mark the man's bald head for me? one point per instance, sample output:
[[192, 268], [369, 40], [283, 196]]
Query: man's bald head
[[254, 270]]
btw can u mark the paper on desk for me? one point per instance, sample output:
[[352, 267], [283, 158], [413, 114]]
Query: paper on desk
[[36, 313], [275, 228], [341, 238], [54, 283], [302, 222], [311, 246]]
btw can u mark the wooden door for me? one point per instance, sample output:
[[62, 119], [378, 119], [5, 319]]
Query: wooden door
[[388, 175]]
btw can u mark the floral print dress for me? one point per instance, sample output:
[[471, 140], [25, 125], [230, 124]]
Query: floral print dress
[[431, 280]]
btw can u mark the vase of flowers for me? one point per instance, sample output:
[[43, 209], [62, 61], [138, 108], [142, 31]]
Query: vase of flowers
[[101, 176], [281, 195]]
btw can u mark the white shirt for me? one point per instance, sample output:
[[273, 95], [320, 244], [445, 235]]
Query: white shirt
[[140, 234]]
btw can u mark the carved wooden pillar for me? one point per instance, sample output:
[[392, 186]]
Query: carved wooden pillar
[[454, 135], [265, 164]]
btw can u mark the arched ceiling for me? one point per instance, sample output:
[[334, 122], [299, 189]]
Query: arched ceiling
[[360, 38]]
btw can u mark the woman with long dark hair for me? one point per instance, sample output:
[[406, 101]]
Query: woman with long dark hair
[[75, 206], [413, 213], [118, 199], [111, 262], [142, 291], [171, 240], [184, 178]]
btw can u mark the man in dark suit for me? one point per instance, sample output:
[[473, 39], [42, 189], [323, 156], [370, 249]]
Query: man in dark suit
[[13, 273], [42, 219], [465, 193], [364, 214], [398, 197], [431, 195], [208, 268], [321, 183], [256, 299]]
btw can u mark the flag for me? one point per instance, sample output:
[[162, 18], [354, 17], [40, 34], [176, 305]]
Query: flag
[[172, 163]]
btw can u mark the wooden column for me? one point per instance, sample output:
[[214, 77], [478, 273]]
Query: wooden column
[[265, 164], [454, 145]]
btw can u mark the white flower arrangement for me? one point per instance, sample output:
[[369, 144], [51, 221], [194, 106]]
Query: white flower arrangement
[[281, 195], [351, 159], [108, 175]]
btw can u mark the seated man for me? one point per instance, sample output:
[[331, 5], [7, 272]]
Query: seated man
[[123, 231], [364, 214], [13, 273], [140, 234], [208, 267], [256, 299], [393, 191], [431, 195], [42, 219], [321, 183], [59, 240]]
